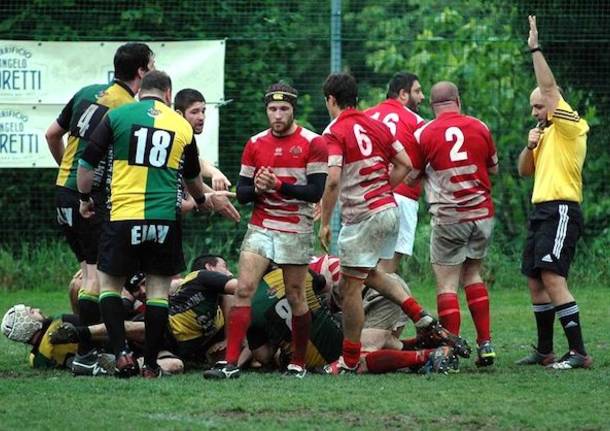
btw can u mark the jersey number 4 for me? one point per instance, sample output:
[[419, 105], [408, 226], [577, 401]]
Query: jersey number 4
[[92, 114], [150, 147], [454, 135]]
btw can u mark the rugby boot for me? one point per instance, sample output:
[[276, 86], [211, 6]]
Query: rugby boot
[[126, 365], [440, 361], [572, 360], [93, 363], [338, 367], [537, 358], [435, 335], [65, 333], [222, 370], [293, 370], [148, 372], [486, 354]]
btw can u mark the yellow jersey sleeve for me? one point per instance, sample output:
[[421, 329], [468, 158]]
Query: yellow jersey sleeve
[[567, 121]]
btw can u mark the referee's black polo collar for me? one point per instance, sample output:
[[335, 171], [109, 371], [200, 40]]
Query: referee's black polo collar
[[125, 87]]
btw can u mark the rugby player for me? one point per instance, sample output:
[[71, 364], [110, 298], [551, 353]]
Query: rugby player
[[457, 155], [151, 149], [283, 172], [360, 150], [554, 156], [399, 113], [54, 341], [79, 118], [190, 104]]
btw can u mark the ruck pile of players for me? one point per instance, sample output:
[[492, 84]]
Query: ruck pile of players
[[131, 168]]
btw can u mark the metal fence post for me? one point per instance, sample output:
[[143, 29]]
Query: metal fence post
[[335, 66]]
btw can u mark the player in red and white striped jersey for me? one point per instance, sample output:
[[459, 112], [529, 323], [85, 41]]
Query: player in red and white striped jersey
[[458, 155], [360, 150], [399, 113], [283, 172]]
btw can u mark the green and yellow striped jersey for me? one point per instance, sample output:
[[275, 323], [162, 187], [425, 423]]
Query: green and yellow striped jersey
[[147, 145], [80, 116], [47, 355]]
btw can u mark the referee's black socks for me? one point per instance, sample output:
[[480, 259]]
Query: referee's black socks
[[545, 319], [569, 317]]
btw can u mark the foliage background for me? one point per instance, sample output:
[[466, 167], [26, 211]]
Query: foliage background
[[479, 45]]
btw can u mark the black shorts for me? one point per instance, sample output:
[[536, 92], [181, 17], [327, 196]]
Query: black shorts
[[148, 246], [553, 229], [82, 234]]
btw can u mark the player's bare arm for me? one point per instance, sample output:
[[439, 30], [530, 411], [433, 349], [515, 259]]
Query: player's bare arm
[[55, 139], [401, 166], [219, 180], [544, 75]]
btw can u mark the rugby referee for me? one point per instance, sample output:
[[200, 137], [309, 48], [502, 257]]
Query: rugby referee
[[554, 155]]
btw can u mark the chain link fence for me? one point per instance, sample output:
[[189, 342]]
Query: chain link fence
[[480, 46]]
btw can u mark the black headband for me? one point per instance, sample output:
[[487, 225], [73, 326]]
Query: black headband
[[280, 96]]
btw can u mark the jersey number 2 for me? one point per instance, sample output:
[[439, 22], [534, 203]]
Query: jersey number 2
[[150, 146], [451, 134]]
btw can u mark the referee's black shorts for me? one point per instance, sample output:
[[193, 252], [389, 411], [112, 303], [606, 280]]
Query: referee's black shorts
[[553, 229], [150, 246], [82, 234]]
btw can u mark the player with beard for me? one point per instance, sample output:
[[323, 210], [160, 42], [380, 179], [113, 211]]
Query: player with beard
[[283, 171], [191, 104], [399, 113]]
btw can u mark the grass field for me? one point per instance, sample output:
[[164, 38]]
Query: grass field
[[505, 397]]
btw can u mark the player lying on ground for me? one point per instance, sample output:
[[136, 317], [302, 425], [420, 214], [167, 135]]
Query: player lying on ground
[[28, 325]]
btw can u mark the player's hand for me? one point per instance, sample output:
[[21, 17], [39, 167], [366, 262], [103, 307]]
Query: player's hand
[[219, 202], [324, 236], [532, 40], [266, 180], [87, 208], [220, 182], [533, 138]]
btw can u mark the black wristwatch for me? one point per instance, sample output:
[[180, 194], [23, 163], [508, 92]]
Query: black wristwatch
[[84, 197]]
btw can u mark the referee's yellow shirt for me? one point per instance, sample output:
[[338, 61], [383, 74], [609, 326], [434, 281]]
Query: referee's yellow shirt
[[559, 157]]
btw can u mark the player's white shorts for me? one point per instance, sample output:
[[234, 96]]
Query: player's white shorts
[[361, 245], [279, 247], [407, 212]]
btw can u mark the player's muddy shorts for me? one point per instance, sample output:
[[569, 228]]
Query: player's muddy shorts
[[553, 230], [361, 245], [452, 244], [279, 247], [82, 234], [148, 246], [380, 312]]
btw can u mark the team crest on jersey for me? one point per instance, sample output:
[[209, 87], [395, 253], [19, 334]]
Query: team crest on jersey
[[152, 112], [100, 94], [296, 151], [278, 152]]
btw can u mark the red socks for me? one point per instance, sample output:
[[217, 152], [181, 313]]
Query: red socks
[[478, 303], [448, 308], [412, 309], [351, 353], [383, 361], [300, 338], [239, 321]]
